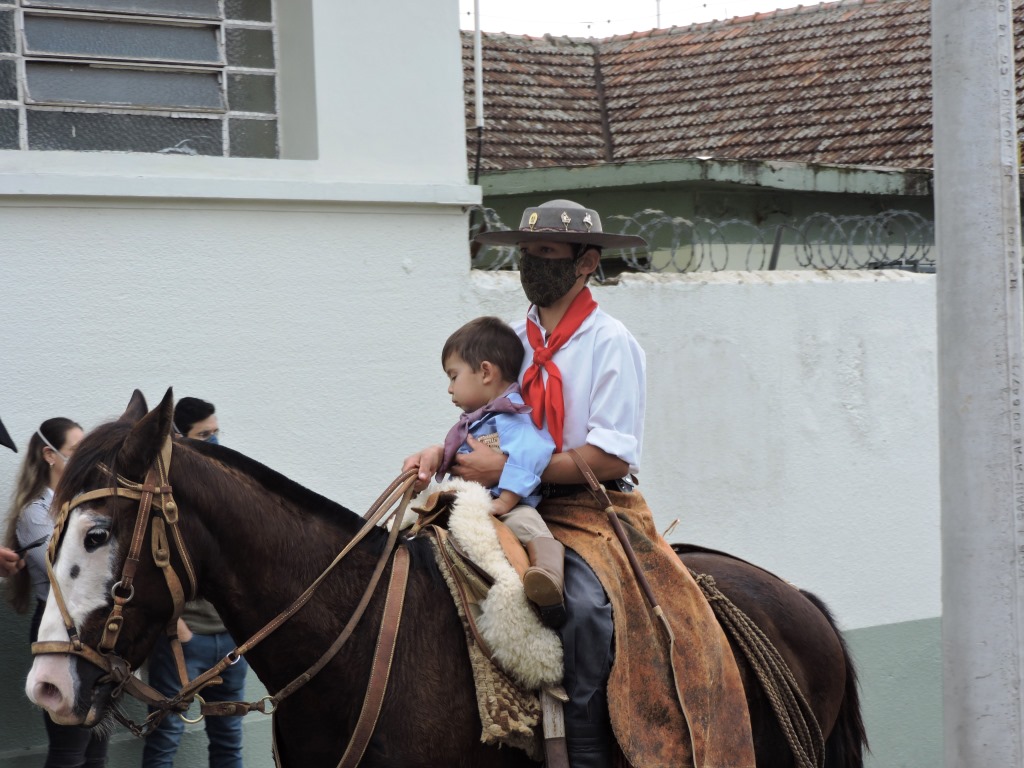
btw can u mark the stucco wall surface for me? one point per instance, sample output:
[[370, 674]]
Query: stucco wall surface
[[306, 328], [791, 420], [791, 416], [304, 296]]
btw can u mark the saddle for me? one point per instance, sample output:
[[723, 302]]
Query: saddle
[[677, 700], [435, 511], [516, 660]]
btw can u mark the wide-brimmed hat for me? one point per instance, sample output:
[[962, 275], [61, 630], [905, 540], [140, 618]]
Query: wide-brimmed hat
[[561, 221]]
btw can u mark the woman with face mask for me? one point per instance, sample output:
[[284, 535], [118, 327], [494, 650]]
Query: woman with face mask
[[29, 528]]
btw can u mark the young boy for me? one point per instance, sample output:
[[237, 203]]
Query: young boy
[[482, 361]]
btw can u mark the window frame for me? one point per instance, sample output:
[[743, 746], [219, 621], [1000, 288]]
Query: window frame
[[264, 106]]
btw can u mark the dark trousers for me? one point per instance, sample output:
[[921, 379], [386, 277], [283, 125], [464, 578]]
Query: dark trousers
[[70, 745], [587, 642]]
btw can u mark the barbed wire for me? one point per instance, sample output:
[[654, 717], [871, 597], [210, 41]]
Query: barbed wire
[[898, 239]]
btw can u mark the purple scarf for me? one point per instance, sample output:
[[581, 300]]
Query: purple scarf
[[457, 434]]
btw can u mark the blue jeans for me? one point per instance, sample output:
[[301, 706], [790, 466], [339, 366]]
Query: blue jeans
[[225, 733]]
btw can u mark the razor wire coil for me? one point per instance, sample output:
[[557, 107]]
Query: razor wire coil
[[895, 239]]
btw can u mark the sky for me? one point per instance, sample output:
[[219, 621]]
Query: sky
[[600, 18]]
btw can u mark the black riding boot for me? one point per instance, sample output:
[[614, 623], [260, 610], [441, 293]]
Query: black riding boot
[[587, 641]]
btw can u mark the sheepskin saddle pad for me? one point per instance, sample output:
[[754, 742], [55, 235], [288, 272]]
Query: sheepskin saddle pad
[[513, 655]]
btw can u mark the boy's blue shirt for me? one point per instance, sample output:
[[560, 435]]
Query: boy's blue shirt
[[528, 449]]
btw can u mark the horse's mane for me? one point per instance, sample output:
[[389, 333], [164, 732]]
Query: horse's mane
[[271, 480], [102, 445], [99, 446]]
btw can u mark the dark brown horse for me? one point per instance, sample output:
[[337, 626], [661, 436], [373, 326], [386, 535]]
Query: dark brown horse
[[256, 540]]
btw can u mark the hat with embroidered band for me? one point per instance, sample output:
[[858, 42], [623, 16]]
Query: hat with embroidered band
[[561, 221]]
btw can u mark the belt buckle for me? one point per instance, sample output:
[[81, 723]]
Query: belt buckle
[[622, 486]]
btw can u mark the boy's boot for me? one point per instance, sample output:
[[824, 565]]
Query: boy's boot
[[543, 579]]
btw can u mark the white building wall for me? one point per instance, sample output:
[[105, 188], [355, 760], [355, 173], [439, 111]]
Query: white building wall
[[791, 416], [791, 420]]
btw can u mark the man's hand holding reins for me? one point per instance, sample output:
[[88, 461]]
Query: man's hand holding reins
[[481, 465]]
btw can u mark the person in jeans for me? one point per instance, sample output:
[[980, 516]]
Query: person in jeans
[[29, 528], [204, 642]]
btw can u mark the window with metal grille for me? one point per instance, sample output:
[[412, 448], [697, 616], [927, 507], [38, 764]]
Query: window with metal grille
[[196, 77]]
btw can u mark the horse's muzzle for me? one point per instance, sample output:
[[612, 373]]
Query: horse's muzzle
[[69, 689]]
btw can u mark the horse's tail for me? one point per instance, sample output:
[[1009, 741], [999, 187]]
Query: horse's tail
[[848, 740]]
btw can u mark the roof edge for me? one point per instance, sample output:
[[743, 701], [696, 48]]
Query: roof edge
[[770, 174]]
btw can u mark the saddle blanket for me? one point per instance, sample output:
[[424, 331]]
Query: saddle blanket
[[512, 653]]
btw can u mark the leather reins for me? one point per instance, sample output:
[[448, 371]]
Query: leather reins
[[156, 493]]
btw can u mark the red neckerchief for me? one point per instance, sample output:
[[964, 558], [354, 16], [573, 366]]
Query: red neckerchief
[[548, 401]]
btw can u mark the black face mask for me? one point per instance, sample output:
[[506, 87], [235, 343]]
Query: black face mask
[[545, 281]]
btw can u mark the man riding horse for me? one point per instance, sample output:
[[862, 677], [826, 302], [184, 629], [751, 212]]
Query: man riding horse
[[584, 375]]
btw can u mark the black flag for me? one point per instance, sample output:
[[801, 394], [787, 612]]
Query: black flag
[[5, 439]]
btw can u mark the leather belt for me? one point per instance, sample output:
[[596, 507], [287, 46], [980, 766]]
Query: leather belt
[[560, 490]]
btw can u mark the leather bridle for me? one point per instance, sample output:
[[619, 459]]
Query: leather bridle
[[155, 493]]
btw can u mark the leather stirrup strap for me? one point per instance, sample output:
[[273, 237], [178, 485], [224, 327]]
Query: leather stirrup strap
[[443, 539], [382, 659], [638, 573], [602, 497]]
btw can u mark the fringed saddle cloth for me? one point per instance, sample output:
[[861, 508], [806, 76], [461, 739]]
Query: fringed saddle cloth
[[677, 703], [512, 654]]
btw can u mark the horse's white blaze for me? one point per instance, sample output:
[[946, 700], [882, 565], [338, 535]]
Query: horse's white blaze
[[84, 578]]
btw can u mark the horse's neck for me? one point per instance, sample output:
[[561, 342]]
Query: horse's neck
[[256, 553]]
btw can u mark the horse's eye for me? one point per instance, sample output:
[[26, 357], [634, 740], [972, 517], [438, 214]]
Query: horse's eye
[[96, 538]]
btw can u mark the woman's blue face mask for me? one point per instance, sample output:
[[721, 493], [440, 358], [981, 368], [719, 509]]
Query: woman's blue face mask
[[211, 436]]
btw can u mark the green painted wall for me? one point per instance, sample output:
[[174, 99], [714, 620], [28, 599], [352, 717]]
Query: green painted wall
[[760, 205], [738, 246], [900, 667]]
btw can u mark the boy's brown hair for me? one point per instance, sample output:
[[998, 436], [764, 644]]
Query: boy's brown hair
[[490, 339]]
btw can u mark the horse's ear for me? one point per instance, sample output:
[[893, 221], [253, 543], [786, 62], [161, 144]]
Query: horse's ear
[[136, 408], [147, 437]]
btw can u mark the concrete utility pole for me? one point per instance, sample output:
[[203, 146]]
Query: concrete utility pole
[[981, 380]]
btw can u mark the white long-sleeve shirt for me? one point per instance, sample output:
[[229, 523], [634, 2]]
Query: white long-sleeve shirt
[[604, 384]]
